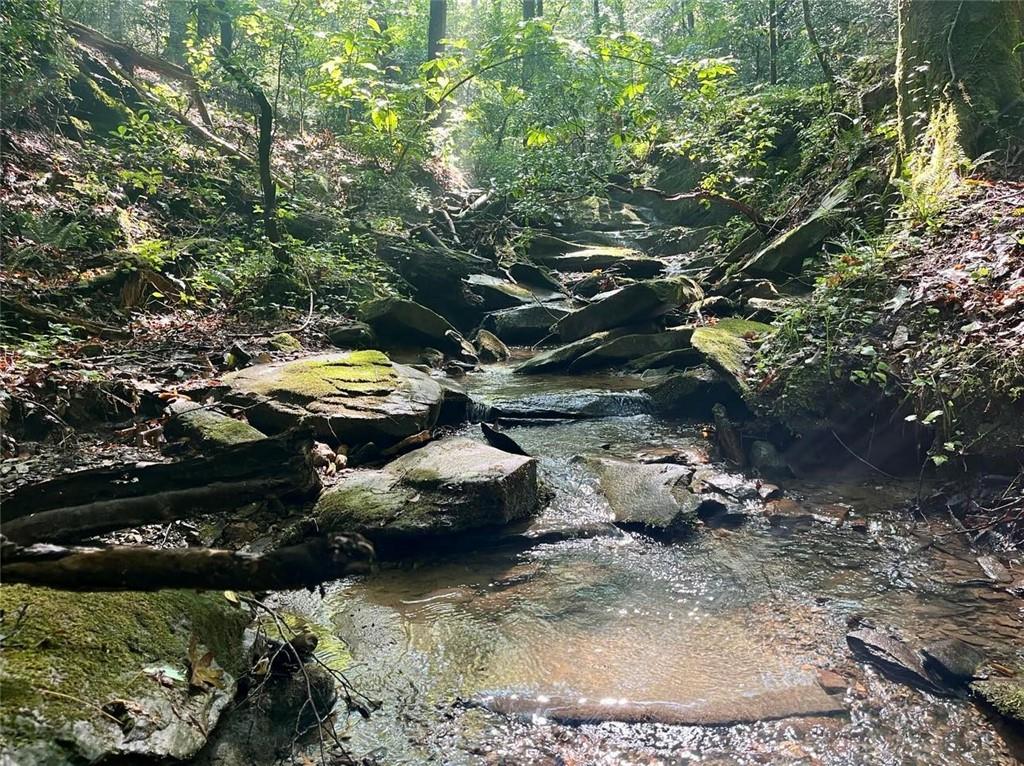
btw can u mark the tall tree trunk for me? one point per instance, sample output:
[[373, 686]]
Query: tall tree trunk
[[773, 41], [115, 19], [960, 74], [227, 29], [205, 15], [264, 150], [437, 28], [819, 52], [529, 60], [597, 17], [177, 24]]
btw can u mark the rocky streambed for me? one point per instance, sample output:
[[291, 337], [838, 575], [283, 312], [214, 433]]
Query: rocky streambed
[[606, 642], [591, 550]]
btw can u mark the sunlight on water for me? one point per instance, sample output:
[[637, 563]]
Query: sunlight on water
[[717, 627]]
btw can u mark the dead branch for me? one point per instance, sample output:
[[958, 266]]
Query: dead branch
[[141, 568]]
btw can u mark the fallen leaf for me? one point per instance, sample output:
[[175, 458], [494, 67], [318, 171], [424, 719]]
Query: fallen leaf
[[202, 673]]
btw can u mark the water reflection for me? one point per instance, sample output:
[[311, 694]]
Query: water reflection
[[709, 624]]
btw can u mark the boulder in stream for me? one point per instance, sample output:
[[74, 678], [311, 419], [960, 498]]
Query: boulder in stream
[[560, 357], [627, 348], [622, 260], [628, 305], [692, 393], [652, 497], [348, 398], [526, 324], [953, 661], [497, 293], [490, 348], [894, 657], [401, 323], [447, 487]]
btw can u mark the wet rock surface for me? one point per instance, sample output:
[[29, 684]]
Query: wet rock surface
[[650, 497], [526, 324], [634, 303], [447, 487]]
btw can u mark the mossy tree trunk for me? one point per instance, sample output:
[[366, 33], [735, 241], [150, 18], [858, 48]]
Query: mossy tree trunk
[[960, 73]]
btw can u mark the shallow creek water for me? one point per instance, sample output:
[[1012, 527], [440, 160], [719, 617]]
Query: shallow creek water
[[705, 622]]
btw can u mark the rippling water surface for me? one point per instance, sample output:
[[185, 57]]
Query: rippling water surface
[[717, 622]]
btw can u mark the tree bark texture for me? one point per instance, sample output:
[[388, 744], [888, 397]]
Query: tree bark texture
[[959, 56]]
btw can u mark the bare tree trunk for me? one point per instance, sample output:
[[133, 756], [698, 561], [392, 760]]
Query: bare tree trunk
[[819, 52], [773, 41], [264, 150], [437, 28], [597, 17], [227, 30], [529, 60], [115, 19], [176, 28]]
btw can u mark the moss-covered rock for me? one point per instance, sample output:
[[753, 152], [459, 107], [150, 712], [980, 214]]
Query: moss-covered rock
[[726, 346], [349, 398], [1005, 695], [87, 675], [446, 487], [286, 342], [207, 427]]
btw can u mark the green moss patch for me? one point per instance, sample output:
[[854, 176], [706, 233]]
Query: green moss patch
[[358, 372], [1006, 695], [726, 346], [74, 652]]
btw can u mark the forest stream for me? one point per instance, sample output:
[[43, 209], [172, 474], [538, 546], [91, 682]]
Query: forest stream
[[459, 382], [569, 638]]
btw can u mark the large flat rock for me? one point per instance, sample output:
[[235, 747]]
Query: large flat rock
[[447, 487], [347, 398], [526, 324], [631, 304]]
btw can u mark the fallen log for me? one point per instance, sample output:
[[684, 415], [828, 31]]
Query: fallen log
[[40, 314], [130, 58], [93, 502], [288, 454], [140, 568]]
